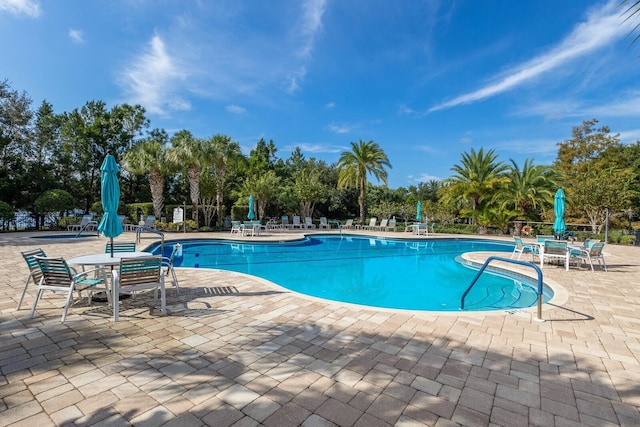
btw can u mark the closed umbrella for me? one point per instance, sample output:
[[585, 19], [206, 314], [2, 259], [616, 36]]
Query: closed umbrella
[[251, 215], [559, 227], [419, 209], [110, 225]]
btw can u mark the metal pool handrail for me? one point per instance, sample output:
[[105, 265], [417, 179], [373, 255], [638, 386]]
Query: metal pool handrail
[[513, 261], [85, 227], [150, 230], [338, 224]]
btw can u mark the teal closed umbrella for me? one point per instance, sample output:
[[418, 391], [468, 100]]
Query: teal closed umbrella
[[419, 209], [110, 225], [559, 226], [251, 215]]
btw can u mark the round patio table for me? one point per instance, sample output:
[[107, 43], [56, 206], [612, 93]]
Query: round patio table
[[104, 260]]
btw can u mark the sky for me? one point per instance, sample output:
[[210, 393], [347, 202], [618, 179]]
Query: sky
[[426, 80]]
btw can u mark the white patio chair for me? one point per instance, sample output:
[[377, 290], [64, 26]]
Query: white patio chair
[[137, 274], [58, 276]]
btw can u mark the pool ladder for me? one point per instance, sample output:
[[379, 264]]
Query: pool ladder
[[338, 224], [513, 261], [150, 230], [86, 226]]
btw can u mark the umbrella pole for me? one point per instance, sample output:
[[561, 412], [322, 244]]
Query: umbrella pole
[[111, 247]]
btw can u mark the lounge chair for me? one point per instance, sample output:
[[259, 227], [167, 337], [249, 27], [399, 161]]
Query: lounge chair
[[296, 223], [589, 254], [149, 222], [58, 276], [285, 222], [383, 225], [371, 226], [522, 248], [35, 274], [308, 223], [136, 274], [324, 224], [236, 227], [167, 264], [348, 225], [392, 225], [86, 223]]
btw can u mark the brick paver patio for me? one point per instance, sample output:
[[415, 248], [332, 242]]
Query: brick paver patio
[[239, 351]]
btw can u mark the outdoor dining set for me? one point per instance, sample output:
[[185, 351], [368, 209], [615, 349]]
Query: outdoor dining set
[[551, 249], [120, 272]]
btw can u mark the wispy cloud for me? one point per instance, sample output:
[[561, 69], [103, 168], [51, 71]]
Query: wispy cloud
[[76, 36], [317, 148], [30, 8], [228, 64], [341, 128], [154, 80], [600, 28], [236, 109], [423, 177], [330, 105]]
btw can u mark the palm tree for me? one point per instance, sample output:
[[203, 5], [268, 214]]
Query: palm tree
[[152, 157], [477, 179], [529, 188], [192, 153], [364, 158], [224, 152]]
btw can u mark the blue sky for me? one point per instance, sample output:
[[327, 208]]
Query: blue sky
[[427, 80]]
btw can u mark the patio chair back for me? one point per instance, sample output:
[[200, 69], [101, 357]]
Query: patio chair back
[[120, 247], [57, 276], [55, 272], [35, 274], [555, 247], [136, 274], [168, 264]]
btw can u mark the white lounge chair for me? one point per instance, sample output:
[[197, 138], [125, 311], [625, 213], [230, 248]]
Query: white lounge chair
[[236, 227], [348, 225], [296, 222], [86, 223], [308, 223], [372, 224], [324, 224]]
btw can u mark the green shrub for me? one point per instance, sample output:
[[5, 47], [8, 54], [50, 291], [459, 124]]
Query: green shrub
[[628, 240]]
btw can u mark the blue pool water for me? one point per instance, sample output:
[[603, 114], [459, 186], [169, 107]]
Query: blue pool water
[[65, 236], [404, 274]]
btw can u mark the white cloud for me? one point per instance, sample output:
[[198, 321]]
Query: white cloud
[[601, 28], [423, 177], [330, 105], [341, 128], [236, 109], [31, 8], [76, 36], [154, 80], [316, 148]]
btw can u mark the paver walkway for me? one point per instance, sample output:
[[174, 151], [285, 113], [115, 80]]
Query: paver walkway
[[238, 351]]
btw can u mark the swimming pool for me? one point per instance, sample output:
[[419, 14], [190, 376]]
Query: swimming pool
[[64, 236], [390, 273]]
